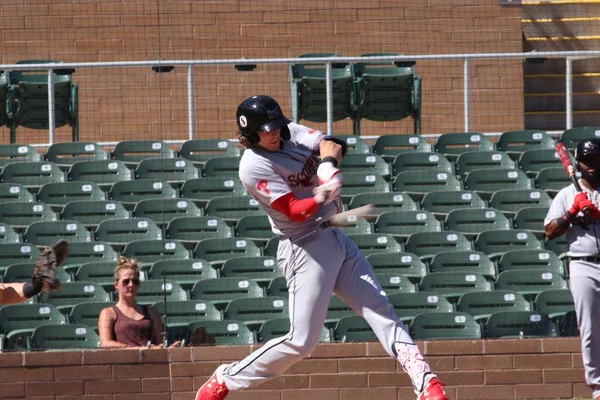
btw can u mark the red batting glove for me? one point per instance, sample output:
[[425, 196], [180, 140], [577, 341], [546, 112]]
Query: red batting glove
[[582, 202]]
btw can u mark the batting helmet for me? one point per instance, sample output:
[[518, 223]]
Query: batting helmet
[[261, 114], [585, 148]]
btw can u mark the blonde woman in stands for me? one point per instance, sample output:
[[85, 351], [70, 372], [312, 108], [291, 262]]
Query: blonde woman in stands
[[128, 324]]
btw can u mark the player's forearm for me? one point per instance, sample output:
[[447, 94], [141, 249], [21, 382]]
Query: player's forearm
[[557, 227], [294, 209], [12, 293]]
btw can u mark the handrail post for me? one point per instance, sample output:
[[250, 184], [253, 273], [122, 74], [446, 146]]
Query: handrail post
[[569, 92], [191, 103], [51, 121], [467, 97], [329, 98]]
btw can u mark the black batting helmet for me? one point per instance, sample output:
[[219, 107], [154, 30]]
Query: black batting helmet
[[260, 114]]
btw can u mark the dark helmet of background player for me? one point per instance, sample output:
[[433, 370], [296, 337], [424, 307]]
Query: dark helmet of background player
[[260, 114], [588, 147]]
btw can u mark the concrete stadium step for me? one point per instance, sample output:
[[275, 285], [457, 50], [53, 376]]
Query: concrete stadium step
[[584, 101], [556, 83], [556, 120], [560, 27], [559, 9], [558, 66]]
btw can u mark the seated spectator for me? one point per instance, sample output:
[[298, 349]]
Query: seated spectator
[[129, 324]]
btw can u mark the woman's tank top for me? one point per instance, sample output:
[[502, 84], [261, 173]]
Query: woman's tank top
[[131, 331]]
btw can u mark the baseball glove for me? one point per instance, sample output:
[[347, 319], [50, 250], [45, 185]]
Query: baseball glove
[[52, 257]]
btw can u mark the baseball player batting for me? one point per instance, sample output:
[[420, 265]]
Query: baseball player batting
[[280, 168], [566, 215]]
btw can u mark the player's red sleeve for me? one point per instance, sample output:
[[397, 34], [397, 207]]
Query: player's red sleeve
[[294, 209]]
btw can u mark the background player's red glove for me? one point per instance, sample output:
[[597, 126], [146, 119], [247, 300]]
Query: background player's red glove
[[582, 202]]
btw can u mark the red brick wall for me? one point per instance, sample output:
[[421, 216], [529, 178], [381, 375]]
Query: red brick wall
[[122, 103], [482, 369]]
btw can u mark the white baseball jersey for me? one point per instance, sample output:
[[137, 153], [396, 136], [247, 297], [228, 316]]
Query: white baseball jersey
[[581, 236], [293, 168]]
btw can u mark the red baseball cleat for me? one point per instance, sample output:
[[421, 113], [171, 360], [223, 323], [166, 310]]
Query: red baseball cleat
[[214, 388], [433, 391]]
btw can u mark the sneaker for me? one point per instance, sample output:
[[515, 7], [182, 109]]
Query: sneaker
[[214, 388], [433, 391]]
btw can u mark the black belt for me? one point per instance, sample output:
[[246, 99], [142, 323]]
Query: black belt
[[594, 259]]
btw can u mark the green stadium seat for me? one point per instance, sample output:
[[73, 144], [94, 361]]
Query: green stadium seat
[[487, 181], [421, 160], [68, 153], [569, 327], [417, 183], [14, 192], [520, 260], [509, 201], [132, 152], [6, 106], [353, 328], [454, 284], [275, 328], [530, 282], [442, 202], [255, 311], [232, 208], [22, 273], [408, 305], [57, 195], [102, 172], [531, 219], [467, 162], [427, 244], [68, 336], [482, 304], [559, 246], [336, 310], [375, 243], [384, 201], [17, 322], [495, 243], [454, 144], [361, 182], [172, 170], [223, 290], [402, 224], [45, 233], [474, 262], [533, 161], [365, 163], [270, 248], [152, 291], [571, 137], [198, 151], [31, 174], [552, 180], [129, 193], [356, 226], [262, 269], [100, 273], [91, 213], [514, 143], [8, 235], [162, 211], [226, 332], [84, 252], [356, 144], [153, 250], [16, 253], [472, 221], [185, 272], [10, 153], [254, 227], [407, 264], [278, 287], [221, 167], [184, 312], [204, 189], [218, 250], [19, 214], [390, 146], [87, 313], [74, 293], [120, 231], [445, 326], [516, 324], [395, 283], [190, 230], [554, 303]]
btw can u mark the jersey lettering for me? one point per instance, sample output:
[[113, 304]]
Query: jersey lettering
[[305, 177], [262, 185]]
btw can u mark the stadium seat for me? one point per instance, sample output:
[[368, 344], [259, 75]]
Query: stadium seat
[[149, 251], [198, 151], [204, 189], [516, 324], [337, 309], [356, 226], [262, 269], [407, 264], [454, 144], [569, 327], [554, 303], [31, 174], [190, 230], [14, 192], [278, 287], [10, 153], [270, 248], [23, 272], [218, 250], [19, 214], [559, 246], [17, 253], [521, 260], [91, 213], [402, 224], [356, 144], [87, 313], [365, 163], [162, 211], [68, 336], [530, 282], [17, 322], [395, 283], [6, 105], [184, 312], [509, 201], [552, 180], [418, 183], [472, 221], [390, 146], [408, 305], [427, 244], [474, 262], [120, 231], [495, 243], [84, 252], [421, 160], [59, 194], [275, 328], [353, 328], [172, 170], [73, 293], [8, 234], [100, 273], [442, 202], [66, 154], [453, 284], [254, 227], [531, 219], [185, 272], [45, 233], [375, 243], [221, 167], [102, 172], [445, 326], [570, 137], [232, 208], [152, 291], [361, 182], [223, 290], [533, 161], [256, 311], [486, 181], [226, 332], [384, 201], [129, 193], [514, 143], [482, 304], [467, 162], [132, 152]]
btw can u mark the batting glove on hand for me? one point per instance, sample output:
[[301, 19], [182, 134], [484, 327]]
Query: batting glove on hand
[[582, 202]]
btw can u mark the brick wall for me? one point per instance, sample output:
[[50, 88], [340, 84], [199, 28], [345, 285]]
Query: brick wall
[[482, 369], [122, 103]]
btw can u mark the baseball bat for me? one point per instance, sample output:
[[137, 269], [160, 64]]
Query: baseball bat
[[565, 158], [350, 217]]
